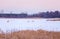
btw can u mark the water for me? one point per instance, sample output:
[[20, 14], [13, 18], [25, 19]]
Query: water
[[7, 24]]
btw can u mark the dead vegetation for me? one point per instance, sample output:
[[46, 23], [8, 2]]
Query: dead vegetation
[[53, 19], [31, 34]]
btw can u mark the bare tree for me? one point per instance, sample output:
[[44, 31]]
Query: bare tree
[[2, 11]]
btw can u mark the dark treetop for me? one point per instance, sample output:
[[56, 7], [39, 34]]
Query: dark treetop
[[55, 14]]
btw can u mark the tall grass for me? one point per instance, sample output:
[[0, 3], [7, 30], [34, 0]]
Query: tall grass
[[30, 34]]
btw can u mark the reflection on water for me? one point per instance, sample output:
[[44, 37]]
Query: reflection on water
[[29, 24]]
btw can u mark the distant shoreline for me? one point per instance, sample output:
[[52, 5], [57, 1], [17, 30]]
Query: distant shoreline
[[47, 19], [53, 19], [31, 18]]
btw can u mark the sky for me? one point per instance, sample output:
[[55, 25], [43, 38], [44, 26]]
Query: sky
[[30, 6]]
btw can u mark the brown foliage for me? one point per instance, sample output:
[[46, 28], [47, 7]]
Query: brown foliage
[[30, 34]]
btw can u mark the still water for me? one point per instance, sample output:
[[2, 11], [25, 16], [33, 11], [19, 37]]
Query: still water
[[8, 24]]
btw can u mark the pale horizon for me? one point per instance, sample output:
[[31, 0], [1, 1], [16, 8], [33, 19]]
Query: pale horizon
[[29, 6]]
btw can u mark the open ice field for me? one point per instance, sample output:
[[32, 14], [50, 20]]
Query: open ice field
[[8, 24]]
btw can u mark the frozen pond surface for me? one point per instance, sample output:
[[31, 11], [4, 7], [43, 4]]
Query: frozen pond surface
[[28, 24]]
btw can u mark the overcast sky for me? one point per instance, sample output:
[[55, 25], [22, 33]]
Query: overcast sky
[[30, 6]]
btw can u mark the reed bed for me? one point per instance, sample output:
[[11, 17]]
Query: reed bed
[[30, 34]]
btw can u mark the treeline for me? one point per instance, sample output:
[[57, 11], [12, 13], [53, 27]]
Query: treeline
[[55, 14], [13, 15]]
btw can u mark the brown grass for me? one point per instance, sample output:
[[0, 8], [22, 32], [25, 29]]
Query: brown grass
[[53, 19], [30, 34]]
